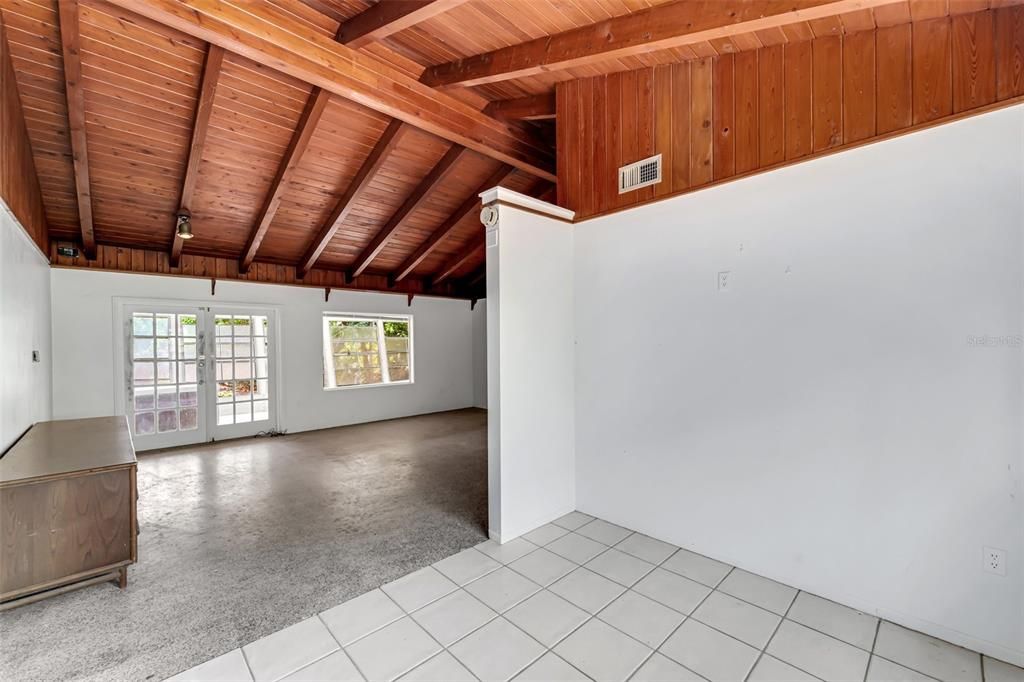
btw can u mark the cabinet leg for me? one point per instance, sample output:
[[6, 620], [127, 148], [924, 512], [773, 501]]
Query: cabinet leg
[[122, 577]]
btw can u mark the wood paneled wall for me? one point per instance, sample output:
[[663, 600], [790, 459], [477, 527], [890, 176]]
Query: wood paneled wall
[[721, 117], [126, 259], [19, 184]]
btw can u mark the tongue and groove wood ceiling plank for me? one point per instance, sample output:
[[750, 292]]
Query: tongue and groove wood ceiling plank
[[277, 158]]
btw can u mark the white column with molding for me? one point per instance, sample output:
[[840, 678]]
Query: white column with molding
[[530, 362]]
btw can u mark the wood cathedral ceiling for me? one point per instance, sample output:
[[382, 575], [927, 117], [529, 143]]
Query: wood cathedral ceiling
[[345, 134]]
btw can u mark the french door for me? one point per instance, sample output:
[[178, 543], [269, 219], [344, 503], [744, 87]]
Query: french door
[[241, 372], [195, 374]]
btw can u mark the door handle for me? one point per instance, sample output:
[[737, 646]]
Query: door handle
[[201, 359]]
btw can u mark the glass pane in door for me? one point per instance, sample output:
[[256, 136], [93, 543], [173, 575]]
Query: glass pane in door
[[164, 374], [243, 389]]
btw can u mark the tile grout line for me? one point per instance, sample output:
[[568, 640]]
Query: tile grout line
[[690, 616], [701, 603], [628, 588], [501, 614], [498, 614], [713, 590], [785, 617], [314, 661], [405, 613], [608, 549], [428, 659], [551, 649], [908, 667], [821, 632], [340, 648], [519, 572], [408, 614], [245, 659], [904, 665], [874, 640], [782, 618], [444, 648], [592, 616], [686, 617], [871, 654], [764, 649]]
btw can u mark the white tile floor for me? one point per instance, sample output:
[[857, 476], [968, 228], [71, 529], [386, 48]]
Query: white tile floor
[[584, 599]]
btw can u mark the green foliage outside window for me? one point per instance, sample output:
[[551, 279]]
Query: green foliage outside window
[[399, 329], [356, 355]]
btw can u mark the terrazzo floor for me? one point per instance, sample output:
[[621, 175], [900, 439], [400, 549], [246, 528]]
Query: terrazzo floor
[[242, 538], [583, 599]]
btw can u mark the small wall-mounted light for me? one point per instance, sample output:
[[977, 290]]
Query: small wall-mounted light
[[185, 224], [67, 250]]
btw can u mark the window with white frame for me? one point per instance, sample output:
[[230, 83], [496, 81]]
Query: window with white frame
[[365, 350]]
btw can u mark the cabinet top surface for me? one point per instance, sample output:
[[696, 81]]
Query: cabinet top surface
[[66, 446]]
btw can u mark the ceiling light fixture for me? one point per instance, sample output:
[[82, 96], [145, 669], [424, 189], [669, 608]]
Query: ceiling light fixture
[[184, 224]]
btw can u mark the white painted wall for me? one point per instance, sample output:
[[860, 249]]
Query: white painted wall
[[827, 422], [530, 371], [480, 355], [24, 327], [443, 346]]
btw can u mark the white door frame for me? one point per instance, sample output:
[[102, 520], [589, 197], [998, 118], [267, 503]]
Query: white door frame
[[216, 431], [276, 337], [176, 437]]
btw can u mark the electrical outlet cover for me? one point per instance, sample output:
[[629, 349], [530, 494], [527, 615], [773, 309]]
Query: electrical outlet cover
[[994, 560]]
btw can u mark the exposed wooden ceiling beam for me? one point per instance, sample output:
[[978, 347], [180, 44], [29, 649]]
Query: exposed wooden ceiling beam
[[673, 24], [386, 143], [473, 285], [69, 39], [271, 37], [476, 276], [204, 107], [459, 259], [542, 190], [437, 174], [548, 194], [315, 106], [538, 189], [450, 223], [532, 108], [389, 17]]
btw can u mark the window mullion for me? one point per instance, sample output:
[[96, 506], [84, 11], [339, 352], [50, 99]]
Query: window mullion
[[382, 351], [355, 335], [329, 369]]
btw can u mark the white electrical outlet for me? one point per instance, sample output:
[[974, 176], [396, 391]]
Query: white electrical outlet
[[724, 280], [994, 560]]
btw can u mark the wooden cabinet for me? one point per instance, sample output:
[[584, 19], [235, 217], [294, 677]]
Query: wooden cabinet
[[67, 508]]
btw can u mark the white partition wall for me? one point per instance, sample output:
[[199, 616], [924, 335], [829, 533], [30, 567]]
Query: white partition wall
[[25, 357], [531, 461], [84, 302], [480, 355], [844, 412]]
